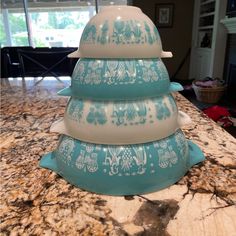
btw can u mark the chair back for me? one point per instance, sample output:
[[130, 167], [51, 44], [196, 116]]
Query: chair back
[[46, 62]]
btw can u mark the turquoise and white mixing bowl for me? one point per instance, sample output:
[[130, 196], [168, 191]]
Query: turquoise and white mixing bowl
[[119, 79], [125, 122], [120, 32], [123, 170]]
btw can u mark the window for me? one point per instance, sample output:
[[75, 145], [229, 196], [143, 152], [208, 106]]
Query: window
[[3, 39], [59, 23], [102, 3], [13, 25], [51, 23]]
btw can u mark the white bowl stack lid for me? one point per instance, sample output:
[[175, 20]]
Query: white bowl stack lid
[[120, 32]]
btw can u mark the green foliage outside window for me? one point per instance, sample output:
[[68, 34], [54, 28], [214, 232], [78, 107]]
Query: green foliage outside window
[[55, 20]]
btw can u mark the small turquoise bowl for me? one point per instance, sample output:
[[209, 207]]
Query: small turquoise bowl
[[123, 170], [119, 79]]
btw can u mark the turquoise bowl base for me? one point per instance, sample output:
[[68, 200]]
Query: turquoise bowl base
[[129, 92], [131, 185]]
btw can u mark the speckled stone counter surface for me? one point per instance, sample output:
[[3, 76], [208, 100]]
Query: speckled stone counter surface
[[36, 201]]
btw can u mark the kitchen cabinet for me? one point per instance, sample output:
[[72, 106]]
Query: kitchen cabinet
[[208, 39]]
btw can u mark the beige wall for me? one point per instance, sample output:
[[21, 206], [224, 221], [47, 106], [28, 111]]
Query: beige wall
[[176, 39]]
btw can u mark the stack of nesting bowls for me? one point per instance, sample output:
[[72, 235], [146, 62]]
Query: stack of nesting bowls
[[121, 134]]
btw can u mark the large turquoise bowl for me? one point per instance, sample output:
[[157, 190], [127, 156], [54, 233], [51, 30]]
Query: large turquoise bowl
[[123, 170], [119, 79]]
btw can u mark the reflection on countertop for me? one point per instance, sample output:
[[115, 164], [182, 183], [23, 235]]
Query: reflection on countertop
[[36, 201]]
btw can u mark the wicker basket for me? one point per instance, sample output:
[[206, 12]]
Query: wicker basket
[[208, 95]]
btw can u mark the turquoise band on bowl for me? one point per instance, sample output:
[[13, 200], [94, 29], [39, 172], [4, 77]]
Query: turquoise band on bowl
[[123, 170], [127, 92], [119, 79]]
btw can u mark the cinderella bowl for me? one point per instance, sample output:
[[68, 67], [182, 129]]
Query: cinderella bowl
[[119, 79], [120, 32], [121, 134], [121, 122], [123, 170]]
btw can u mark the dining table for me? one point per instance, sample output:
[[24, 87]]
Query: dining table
[[37, 201]]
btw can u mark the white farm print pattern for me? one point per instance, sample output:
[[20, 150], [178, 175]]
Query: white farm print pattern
[[124, 160], [167, 156], [149, 73], [87, 159], [182, 144], [119, 72], [121, 161], [65, 150]]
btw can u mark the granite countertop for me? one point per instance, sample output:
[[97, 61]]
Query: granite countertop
[[36, 201]]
